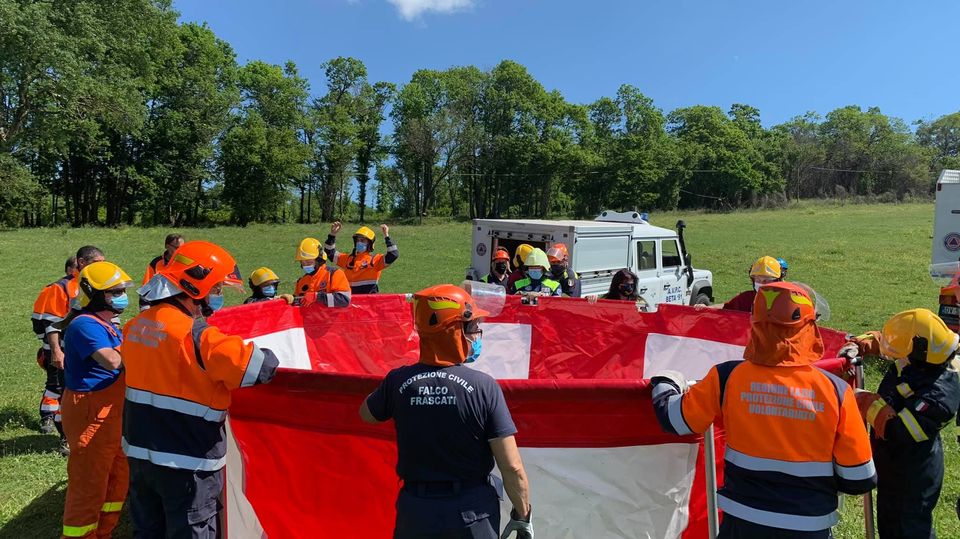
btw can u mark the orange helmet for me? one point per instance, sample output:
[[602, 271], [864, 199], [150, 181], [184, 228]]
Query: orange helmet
[[501, 254], [440, 314], [783, 329], [197, 266], [558, 253]]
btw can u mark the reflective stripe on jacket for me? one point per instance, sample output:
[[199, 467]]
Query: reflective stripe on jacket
[[794, 439], [179, 374], [362, 269], [529, 285], [52, 305]]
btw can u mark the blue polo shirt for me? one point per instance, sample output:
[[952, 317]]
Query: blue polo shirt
[[445, 418], [85, 335]]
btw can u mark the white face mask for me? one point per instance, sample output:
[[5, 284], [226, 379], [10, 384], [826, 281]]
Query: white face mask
[[756, 286]]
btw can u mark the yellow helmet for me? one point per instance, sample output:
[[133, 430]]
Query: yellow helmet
[[365, 232], [523, 251], [98, 277], [262, 275], [309, 249], [919, 335], [537, 258], [766, 266]]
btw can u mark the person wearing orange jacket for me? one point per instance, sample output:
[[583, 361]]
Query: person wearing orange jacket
[[51, 308], [917, 397], [170, 244], [320, 283], [97, 472], [795, 437], [47, 309], [180, 374], [361, 266]]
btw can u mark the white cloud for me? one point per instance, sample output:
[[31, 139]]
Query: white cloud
[[411, 9]]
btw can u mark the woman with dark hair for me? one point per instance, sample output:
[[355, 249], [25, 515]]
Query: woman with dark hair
[[623, 286]]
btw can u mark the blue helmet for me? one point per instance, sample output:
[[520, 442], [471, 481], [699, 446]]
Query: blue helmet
[[783, 265]]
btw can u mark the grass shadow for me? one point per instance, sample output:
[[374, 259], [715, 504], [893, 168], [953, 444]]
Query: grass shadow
[[14, 417], [41, 518], [29, 444]]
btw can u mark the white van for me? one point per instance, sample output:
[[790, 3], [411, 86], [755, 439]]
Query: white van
[[599, 248], [946, 223]]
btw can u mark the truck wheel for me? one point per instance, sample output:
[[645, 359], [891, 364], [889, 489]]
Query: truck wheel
[[702, 299]]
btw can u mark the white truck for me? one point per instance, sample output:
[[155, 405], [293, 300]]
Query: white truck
[[600, 248]]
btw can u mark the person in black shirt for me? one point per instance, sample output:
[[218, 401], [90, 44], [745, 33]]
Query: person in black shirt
[[452, 424]]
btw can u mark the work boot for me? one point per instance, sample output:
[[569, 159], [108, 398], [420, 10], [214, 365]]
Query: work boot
[[64, 449], [47, 425]]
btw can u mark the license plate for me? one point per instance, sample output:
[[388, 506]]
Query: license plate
[[949, 310]]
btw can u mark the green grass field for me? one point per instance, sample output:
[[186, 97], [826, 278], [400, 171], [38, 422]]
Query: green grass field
[[868, 261]]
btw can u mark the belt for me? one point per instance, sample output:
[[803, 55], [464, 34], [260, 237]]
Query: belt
[[441, 489]]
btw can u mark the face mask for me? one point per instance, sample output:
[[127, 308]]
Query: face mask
[[556, 269], [269, 291], [500, 267], [215, 301], [626, 289], [756, 286], [308, 269], [361, 247], [535, 274], [475, 348], [120, 303]]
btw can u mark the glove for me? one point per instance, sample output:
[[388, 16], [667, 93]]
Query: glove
[[849, 350], [286, 297], [308, 299], [674, 378], [868, 344], [524, 528], [875, 411]]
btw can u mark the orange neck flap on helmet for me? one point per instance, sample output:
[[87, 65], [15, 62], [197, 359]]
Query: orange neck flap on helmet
[[783, 327], [439, 313]]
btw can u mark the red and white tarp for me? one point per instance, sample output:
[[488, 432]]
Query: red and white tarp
[[574, 374]]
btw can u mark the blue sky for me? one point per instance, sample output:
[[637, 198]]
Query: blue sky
[[784, 58]]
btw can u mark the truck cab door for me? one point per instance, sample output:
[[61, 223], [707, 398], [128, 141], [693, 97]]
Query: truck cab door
[[648, 278], [673, 279]]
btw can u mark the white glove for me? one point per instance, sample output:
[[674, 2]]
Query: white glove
[[849, 350], [674, 378], [524, 528]]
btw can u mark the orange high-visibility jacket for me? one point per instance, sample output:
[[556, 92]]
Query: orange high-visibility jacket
[[154, 267], [180, 373], [362, 269], [52, 306], [795, 438], [330, 285]]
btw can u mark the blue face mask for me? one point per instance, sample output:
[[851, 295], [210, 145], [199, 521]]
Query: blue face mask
[[120, 303], [361, 246], [475, 348], [535, 274], [269, 291], [308, 269], [215, 301]]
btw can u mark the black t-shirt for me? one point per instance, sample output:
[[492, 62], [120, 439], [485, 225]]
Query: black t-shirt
[[445, 418]]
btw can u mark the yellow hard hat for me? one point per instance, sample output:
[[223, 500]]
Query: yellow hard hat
[[100, 276], [309, 249], [523, 251], [919, 335], [766, 266], [537, 258], [262, 275], [365, 232]]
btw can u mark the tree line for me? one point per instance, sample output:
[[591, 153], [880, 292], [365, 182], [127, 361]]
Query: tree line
[[114, 113]]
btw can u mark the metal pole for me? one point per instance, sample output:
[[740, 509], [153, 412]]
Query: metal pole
[[710, 464], [868, 524]]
